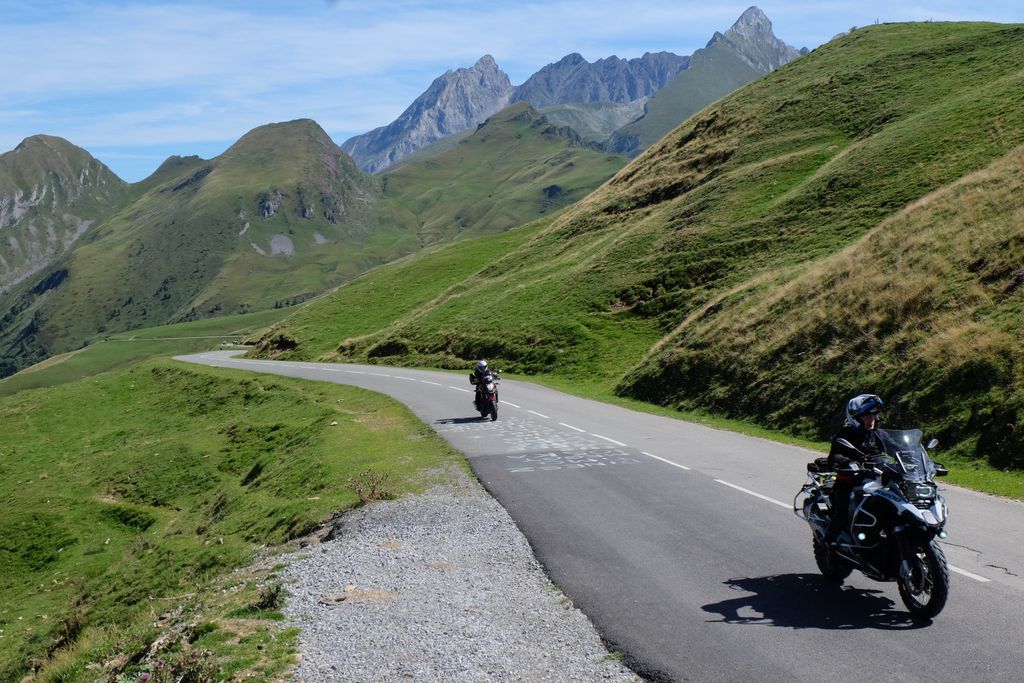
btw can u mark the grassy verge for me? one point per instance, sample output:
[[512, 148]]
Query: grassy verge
[[137, 499]]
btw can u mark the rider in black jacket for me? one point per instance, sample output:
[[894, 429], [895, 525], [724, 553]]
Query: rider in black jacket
[[851, 445], [479, 376]]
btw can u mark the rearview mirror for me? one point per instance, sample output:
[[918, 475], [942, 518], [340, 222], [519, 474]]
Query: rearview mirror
[[933, 443], [940, 470]]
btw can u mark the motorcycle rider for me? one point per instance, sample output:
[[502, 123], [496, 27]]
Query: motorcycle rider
[[851, 446], [479, 378]]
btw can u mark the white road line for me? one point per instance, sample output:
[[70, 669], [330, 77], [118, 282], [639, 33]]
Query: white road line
[[333, 369], [788, 506], [968, 574], [407, 379], [427, 381], [511, 404], [617, 443], [467, 391], [668, 462], [378, 374], [355, 372], [575, 429], [308, 367], [538, 414]]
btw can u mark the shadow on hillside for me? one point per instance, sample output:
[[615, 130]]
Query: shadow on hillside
[[460, 420], [808, 601]]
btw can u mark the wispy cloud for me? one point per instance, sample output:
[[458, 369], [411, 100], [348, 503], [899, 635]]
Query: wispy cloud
[[110, 73]]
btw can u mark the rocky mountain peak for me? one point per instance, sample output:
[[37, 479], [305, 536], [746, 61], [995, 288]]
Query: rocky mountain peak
[[755, 41], [752, 24], [456, 101]]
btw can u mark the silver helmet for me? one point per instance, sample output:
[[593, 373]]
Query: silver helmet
[[865, 404]]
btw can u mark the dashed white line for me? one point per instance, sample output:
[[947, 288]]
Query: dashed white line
[[788, 506], [669, 462], [427, 381], [378, 374], [466, 391], [969, 575], [538, 414], [308, 367], [355, 372], [511, 404], [575, 429], [617, 443], [333, 369], [407, 379]]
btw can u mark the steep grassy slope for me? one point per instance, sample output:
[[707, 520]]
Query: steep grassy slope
[[926, 308], [131, 499], [788, 171], [515, 167]]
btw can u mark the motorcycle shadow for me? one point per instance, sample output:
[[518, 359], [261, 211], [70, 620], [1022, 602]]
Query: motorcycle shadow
[[460, 420], [808, 601]]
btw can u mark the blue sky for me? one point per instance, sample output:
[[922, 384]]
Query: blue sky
[[134, 82]]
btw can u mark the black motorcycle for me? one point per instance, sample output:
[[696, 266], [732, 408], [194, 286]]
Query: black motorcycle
[[896, 516], [486, 399]]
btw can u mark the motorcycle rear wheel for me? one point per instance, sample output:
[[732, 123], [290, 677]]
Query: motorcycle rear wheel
[[829, 563], [924, 592]]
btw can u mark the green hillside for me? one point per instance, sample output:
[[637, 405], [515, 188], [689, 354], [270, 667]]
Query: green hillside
[[764, 185], [143, 508], [279, 217], [514, 168]]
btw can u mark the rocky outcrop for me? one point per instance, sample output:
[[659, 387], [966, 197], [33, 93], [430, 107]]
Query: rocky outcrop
[[457, 101], [612, 79]]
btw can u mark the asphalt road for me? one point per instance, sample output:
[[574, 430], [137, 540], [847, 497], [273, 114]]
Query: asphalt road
[[680, 544]]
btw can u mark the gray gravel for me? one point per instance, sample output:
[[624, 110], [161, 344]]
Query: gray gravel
[[437, 587]]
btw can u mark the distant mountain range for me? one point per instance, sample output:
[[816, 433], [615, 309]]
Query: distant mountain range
[[461, 99]]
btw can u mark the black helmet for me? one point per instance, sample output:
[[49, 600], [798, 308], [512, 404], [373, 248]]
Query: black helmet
[[865, 404]]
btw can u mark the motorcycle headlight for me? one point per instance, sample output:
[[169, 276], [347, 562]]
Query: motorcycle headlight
[[490, 387], [919, 491]]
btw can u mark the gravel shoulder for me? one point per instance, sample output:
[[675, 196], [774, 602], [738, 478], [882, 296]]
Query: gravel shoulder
[[437, 587]]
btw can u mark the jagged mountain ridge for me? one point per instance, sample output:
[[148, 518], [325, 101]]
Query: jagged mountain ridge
[[573, 79], [456, 102]]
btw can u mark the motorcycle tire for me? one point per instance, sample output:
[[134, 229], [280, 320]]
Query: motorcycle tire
[[924, 592], [494, 412], [830, 565]]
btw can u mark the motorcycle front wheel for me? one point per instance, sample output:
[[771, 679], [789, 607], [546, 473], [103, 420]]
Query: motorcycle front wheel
[[494, 411], [829, 563], [925, 589]]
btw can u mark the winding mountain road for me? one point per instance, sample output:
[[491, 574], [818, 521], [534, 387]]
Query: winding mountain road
[[680, 543]]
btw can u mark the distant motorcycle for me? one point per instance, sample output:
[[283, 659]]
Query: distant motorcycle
[[896, 515], [486, 399]]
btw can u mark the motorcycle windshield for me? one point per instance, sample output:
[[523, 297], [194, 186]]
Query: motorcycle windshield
[[906, 450]]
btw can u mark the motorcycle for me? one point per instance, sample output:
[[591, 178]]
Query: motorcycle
[[896, 516], [486, 398]]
